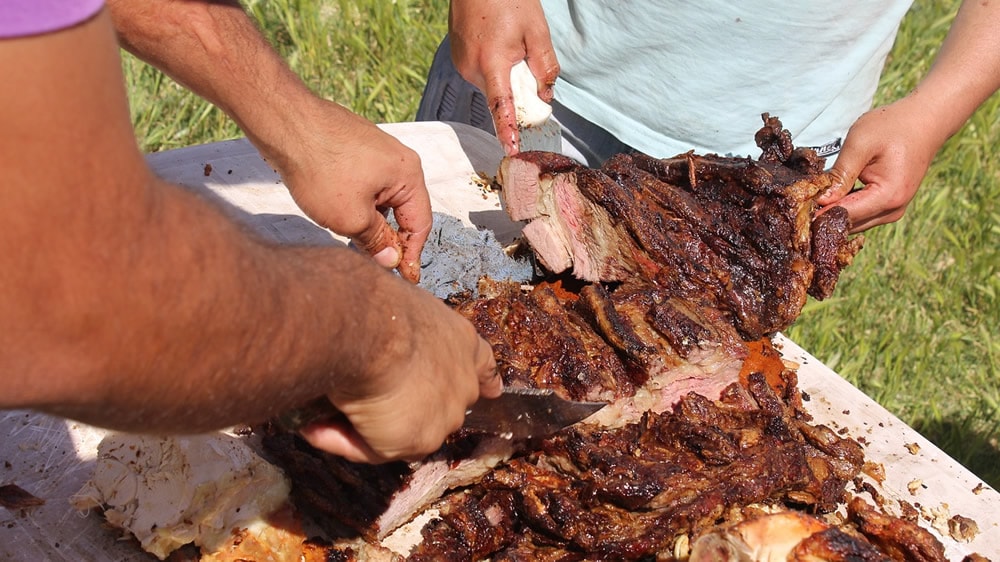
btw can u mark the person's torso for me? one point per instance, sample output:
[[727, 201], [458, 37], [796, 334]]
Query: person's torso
[[666, 77]]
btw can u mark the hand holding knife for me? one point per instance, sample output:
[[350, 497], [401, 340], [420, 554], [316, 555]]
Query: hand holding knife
[[519, 413]]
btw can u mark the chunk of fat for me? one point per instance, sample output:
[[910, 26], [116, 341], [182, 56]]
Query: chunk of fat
[[172, 491], [769, 538]]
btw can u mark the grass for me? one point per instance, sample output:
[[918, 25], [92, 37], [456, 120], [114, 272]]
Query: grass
[[913, 323]]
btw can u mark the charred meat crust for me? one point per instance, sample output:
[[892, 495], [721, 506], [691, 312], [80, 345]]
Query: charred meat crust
[[629, 493], [735, 234], [688, 263]]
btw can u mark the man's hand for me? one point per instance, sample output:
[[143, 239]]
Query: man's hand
[[890, 148], [150, 310], [889, 152], [414, 392], [487, 40], [345, 172], [342, 169]]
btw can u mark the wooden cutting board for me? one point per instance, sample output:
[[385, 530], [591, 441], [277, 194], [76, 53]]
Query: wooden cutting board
[[52, 458]]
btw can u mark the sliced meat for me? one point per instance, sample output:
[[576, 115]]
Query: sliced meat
[[628, 493], [684, 267], [733, 234], [531, 168]]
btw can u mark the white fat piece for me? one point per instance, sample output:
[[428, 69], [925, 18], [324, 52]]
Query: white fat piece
[[768, 538], [537, 131], [172, 491]]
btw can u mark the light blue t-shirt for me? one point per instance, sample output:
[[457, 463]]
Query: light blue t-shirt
[[666, 76]]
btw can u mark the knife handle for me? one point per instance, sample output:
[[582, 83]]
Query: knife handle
[[317, 410]]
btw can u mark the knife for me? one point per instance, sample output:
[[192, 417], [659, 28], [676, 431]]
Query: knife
[[534, 126], [518, 413]]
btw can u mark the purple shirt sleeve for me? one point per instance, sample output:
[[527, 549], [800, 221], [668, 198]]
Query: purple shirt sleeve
[[19, 18]]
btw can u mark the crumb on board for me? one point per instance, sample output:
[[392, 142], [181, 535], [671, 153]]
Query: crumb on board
[[208, 170], [485, 183], [13, 496], [875, 471], [937, 517], [913, 448], [978, 489], [908, 511], [962, 529], [915, 486]]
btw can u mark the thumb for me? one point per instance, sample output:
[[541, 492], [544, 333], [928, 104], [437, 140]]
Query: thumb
[[381, 242], [341, 439], [844, 175]]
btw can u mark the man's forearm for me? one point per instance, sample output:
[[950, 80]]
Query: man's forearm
[[134, 303], [215, 49], [966, 71], [170, 317], [214, 327]]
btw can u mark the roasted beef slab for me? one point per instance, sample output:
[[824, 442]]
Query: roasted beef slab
[[734, 234], [540, 340], [685, 266], [650, 489]]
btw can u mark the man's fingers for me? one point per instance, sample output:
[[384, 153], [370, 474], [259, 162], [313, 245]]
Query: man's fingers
[[866, 208], [412, 237], [545, 68], [490, 383], [500, 101], [843, 183], [381, 242], [505, 124], [342, 440]]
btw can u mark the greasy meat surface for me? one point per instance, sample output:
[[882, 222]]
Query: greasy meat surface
[[733, 234], [340, 495], [541, 343], [899, 538], [544, 338], [633, 491], [832, 251], [629, 493], [683, 267]]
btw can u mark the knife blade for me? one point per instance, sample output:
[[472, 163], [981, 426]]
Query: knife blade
[[518, 413], [534, 124]]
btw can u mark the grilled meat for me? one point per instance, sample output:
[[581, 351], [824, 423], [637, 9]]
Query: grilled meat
[[687, 265], [630, 493], [733, 234]]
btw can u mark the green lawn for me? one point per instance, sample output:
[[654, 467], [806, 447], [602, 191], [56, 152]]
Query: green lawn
[[913, 323]]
